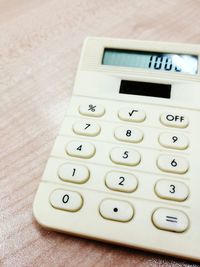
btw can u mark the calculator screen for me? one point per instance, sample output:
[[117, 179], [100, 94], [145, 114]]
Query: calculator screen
[[145, 89], [151, 60]]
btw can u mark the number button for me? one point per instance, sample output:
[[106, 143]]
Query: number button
[[132, 135], [173, 164], [73, 173], [174, 120], [127, 157], [171, 190], [120, 181], [131, 114], [170, 220], [91, 109], [66, 200], [80, 149], [86, 128], [175, 141], [116, 210]]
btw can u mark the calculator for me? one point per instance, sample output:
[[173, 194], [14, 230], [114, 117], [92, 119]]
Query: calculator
[[125, 166]]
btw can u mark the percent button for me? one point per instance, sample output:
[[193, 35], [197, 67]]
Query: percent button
[[91, 109]]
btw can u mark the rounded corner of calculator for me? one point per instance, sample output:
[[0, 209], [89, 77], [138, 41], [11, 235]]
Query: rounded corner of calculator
[[38, 212]]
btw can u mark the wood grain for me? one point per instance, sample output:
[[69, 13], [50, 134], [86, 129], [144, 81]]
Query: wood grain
[[40, 44]]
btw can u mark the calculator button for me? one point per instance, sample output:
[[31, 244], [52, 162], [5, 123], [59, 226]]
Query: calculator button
[[66, 200], [170, 220], [116, 210], [80, 149], [73, 173], [131, 114], [120, 181], [86, 128], [92, 109], [123, 156], [130, 134], [173, 164], [171, 190], [175, 141], [174, 120]]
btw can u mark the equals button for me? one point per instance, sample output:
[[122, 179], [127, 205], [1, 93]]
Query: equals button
[[170, 220]]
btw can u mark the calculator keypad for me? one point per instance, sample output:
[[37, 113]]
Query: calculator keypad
[[126, 162], [116, 210], [66, 200]]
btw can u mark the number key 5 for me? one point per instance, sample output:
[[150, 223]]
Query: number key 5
[[122, 156]]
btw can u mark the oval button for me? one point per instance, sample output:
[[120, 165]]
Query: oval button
[[116, 210], [174, 120], [92, 109], [170, 220], [132, 135], [80, 149], [175, 141], [123, 156], [86, 128], [172, 164], [121, 181], [131, 114], [171, 190], [73, 173], [66, 200]]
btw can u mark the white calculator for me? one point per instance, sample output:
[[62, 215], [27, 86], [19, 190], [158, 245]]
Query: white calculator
[[125, 166]]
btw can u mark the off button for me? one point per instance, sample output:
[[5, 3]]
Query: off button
[[174, 120]]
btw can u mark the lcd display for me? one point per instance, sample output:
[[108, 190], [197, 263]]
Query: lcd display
[[180, 63]]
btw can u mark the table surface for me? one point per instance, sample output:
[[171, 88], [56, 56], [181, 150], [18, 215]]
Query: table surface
[[40, 43]]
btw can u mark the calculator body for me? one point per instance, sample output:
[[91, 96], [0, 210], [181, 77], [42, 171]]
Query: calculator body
[[125, 165]]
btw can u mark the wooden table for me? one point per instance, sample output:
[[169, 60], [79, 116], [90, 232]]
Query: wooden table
[[40, 44]]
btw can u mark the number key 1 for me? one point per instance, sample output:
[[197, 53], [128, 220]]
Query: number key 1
[[73, 173]]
